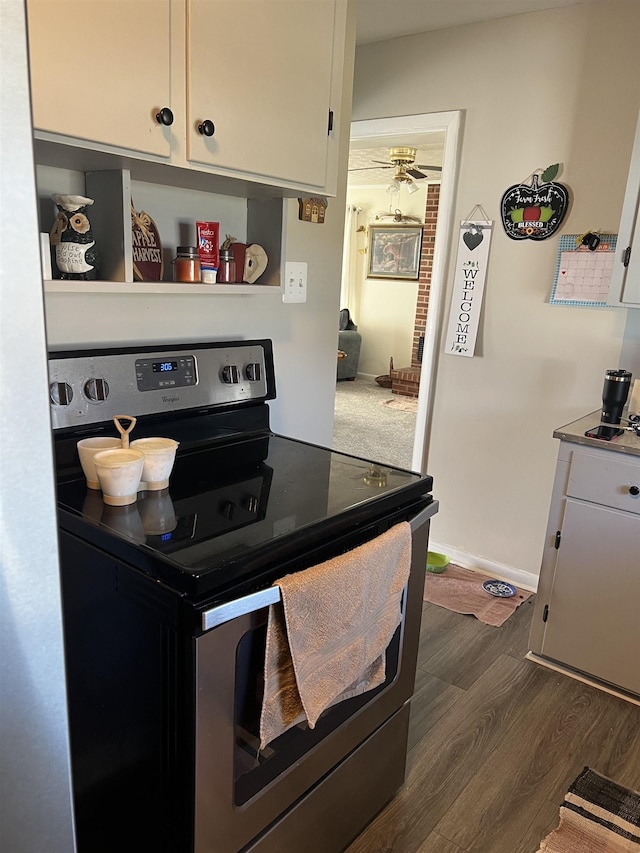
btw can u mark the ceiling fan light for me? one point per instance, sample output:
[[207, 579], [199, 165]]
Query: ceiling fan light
[[412, 188], [393, 188]]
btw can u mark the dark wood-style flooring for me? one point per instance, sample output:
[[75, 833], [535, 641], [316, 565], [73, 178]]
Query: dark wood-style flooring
[[495, 741]]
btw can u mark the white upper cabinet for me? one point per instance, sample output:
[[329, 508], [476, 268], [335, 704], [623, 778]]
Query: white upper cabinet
[[260, 72], [250, 84], [625, 279], [100, 71]]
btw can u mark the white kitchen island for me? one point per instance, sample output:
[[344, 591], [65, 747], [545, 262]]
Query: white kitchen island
[[586, 619]]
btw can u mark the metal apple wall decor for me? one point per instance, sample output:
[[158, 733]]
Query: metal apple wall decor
[[534, 209]]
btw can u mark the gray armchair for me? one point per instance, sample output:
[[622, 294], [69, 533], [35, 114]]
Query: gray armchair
[[349, 341]]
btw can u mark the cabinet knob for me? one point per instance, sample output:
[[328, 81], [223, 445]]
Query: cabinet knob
[[634, 490], [165, 116], [207, 128]]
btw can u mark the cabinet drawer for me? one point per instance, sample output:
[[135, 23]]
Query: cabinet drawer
[[605, 479]]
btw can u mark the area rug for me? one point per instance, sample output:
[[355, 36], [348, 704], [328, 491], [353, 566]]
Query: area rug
[[461, 590], [403, 404], [597, 816]]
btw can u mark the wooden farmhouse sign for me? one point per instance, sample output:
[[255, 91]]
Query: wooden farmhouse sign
[[147, 248], [468, 287]]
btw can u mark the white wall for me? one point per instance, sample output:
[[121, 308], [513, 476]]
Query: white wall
[[385, 309], [537, 89], [36, 811]]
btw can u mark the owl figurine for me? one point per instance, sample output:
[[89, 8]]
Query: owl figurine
[[76, 253]]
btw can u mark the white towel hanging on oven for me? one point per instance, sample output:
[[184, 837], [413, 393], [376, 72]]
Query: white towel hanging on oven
[[326, 640]]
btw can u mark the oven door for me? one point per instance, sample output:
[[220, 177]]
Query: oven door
[[239, 790]]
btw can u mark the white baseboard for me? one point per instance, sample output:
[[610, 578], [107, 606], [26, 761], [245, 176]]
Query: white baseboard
[[524, 580], [578, 676]]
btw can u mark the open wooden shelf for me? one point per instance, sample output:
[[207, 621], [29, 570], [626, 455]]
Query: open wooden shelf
[[164, 287]]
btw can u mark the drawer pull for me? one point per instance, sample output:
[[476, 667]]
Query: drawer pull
[[634, 490]]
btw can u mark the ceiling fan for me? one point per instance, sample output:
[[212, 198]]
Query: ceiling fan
[[397, 216], [402, 159]]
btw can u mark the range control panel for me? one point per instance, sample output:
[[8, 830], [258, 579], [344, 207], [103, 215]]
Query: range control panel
[[91, 387], [155, 373]]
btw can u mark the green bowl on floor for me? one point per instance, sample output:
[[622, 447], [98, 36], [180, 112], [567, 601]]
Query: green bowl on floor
[[436, 563]]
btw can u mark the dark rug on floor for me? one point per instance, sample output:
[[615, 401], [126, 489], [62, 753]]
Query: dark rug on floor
[[597, 816]]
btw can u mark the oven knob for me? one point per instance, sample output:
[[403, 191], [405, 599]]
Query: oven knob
[[230, 374], [96, 390], [227, 509], [60, 393], [253, 372], [251, 504]]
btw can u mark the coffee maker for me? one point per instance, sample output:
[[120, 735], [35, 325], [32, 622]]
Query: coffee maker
[[614, 395]]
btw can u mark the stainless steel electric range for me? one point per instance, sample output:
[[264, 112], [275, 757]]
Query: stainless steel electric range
[[166, 601]]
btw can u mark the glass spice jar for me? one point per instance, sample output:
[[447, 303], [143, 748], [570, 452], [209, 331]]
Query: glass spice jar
[[226, 267], [186, 264]]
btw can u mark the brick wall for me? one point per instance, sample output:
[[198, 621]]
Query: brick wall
[[407, 379]]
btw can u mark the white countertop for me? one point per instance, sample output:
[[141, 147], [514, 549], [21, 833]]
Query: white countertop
[[575, 432]]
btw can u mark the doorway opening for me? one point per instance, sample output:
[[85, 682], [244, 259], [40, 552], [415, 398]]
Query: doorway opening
[[427, 133]]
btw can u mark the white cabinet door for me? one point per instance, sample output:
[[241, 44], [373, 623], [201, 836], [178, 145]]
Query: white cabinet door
[[260, 71], [100, 70], [593, 622], [625, 279]]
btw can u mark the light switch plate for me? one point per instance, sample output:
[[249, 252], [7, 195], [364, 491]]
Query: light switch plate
[[295, 282]]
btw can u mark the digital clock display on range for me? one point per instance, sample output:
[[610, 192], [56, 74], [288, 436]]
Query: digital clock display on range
[[174, 371]]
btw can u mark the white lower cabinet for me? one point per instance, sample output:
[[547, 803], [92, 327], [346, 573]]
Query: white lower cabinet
[[587, 612]]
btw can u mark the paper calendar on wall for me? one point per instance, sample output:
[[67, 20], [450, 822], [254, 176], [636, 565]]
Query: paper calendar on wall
[[582, 275]]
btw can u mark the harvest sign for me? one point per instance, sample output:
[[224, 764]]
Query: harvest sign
[[148, 261], [534, 211]]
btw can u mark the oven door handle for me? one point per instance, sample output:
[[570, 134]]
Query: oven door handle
[[240, 607], [423, 516], [271, 595]]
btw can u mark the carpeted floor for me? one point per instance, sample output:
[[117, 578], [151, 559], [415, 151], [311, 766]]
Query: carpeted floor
[[597, 816], [365, 426]]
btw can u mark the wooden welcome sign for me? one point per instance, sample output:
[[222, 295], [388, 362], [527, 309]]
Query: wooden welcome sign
[[468, 285]]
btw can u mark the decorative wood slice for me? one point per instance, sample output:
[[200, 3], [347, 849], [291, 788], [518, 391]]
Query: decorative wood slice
[[148, 261]]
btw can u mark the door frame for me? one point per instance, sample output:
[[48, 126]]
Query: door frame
[[401, 126]]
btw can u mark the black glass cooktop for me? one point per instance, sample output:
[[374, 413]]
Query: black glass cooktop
[[233, 504]]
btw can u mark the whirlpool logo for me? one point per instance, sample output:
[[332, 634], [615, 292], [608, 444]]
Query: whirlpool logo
[[173, 398]]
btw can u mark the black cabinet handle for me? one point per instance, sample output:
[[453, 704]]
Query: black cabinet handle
[[207, 128], [165, 117], [634, 490]]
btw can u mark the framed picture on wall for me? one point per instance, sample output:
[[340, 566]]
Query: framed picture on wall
[[394, 251]]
